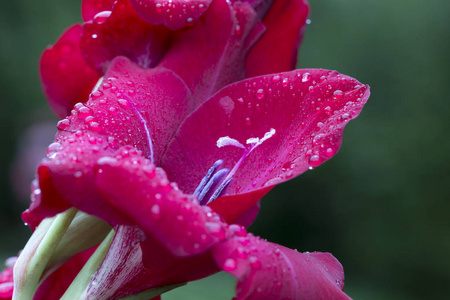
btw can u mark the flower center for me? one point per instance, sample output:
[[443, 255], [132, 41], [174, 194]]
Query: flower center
[[217, 180]]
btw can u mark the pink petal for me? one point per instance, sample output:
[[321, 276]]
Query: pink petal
[[66, 78], [174, 14], [145, 105], [211, 54], [123, 272], [90, 8], [122, 32], [7, 282], [308, 109], [268, 271], [142, 192], [278, 46], [56, 284]]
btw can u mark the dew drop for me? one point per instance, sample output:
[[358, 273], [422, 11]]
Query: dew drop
[[238, 30], [112, 110], [94, 126], [329, 152], [306, 77], [123, 103], [337, 94], [254, 263], [52, 149], [101, 17], [345, 116], [156, 211], [63, 124], [314, 160], [260, 94], [84, 112], [275, 78], [96, 94], [229, 265]]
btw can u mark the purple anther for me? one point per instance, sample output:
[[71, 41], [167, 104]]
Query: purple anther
[[212, 184], [220, 190], [208, 176]]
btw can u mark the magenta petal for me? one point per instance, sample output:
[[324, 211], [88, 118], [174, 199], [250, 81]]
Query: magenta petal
[[278, 46], [135, 105], [211, 54], [56, 284], [308, 109], [7, 282], [174, 14], [127, 269], [268, 271], [142, 192], [122, 32], [66, 77], [90, 8], [116, 115]]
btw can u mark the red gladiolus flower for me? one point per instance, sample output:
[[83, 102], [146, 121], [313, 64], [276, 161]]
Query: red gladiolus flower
[[174, 147]]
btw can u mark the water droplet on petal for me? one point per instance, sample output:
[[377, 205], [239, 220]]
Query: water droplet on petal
[[96, 95], [229, 265], [84, 112], [63, 124], [337, 94], [260, 94], [329, 152], [156, 211], [123, 103], [306, 77], [314, 160], [101, 17], [254, 262], [52, 149], [94, 126]]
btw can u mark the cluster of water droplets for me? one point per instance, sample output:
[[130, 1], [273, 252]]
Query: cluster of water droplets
[[178, 11], [320, 114]]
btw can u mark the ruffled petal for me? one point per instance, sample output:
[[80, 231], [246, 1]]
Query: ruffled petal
[[145, 105], [174, 14], [66, 77], [268, 271], [211, 54], [303, 111], [142, 192], [276, 51], [122, 32]]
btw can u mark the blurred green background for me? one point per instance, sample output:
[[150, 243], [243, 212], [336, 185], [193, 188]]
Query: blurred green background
[[381, 205]]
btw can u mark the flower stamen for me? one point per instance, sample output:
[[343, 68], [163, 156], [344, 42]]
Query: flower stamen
[[217, 181]]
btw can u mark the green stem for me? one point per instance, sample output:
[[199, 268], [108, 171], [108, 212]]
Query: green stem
[[80, 283], [29, 280]]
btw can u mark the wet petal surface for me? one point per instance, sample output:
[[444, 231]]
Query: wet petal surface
[[122, 31], [269, 271], [174, 14], [66, 77], [308, 109]]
